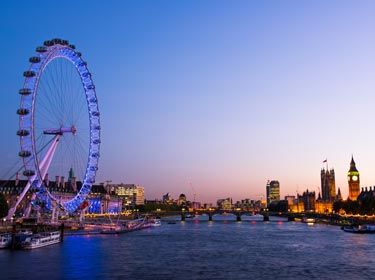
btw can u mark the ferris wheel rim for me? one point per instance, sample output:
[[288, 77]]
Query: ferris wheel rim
[[47, 53]]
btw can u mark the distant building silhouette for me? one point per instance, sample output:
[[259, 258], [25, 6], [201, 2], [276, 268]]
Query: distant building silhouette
[[181, 199]]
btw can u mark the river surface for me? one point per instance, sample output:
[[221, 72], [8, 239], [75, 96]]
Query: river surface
[[198, 249]]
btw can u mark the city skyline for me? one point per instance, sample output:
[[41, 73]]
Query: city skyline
[[212, 98]]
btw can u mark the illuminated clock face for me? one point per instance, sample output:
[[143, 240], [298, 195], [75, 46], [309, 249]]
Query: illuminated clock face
[[354, 178]]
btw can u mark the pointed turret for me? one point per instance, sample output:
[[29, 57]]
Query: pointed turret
[[352, 165], [71, 174], [353, 181]]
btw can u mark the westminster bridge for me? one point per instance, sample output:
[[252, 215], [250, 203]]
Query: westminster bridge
[[333, 219]]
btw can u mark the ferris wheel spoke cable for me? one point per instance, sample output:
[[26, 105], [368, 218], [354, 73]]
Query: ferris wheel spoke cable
[[21, 167], [46, 91]]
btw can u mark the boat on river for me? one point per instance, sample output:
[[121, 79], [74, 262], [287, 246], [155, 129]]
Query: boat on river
[[308, 220], [21, 236], [41, 240], [126, 227], [155, 223], [359, 228], [5, 240]]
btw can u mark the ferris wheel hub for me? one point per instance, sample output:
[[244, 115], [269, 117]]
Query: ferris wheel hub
[[61, 130]]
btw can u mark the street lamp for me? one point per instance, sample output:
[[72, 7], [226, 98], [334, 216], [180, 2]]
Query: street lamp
[[183, 214]]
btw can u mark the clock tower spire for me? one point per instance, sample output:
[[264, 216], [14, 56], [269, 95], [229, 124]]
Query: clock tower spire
[[353, 181]]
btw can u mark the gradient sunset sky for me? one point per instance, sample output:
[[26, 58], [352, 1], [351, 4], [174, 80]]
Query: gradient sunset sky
[[211, 97]]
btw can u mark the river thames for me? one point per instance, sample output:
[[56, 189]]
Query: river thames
[[198, 249]]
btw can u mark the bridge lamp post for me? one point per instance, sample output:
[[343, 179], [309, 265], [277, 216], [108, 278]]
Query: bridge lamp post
[[183, 214], [238, 214]]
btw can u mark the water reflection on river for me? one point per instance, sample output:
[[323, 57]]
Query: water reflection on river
[[198, 249]]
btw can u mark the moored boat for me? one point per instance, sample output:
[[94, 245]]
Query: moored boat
[[126, 227], [41, 240], [154, 222], [359, 229], [5, 240], [308, 220], [111, 230], [21, 236]]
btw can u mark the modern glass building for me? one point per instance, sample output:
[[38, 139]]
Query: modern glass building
[[273, 191]]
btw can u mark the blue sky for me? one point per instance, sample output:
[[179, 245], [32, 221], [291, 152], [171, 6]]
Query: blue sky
[[222, 94]]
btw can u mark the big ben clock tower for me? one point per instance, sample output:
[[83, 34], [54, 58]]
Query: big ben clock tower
[[353, 181]]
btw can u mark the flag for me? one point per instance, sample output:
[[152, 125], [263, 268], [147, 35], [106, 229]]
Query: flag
[[324, 160]]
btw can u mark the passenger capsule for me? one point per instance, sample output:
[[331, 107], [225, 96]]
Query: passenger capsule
[[41, 49], [96, 142], [72, 47], [83, 63], [25, 91], [95, 114], [78, 53], [86, 75], [64, 42], [56, 41], [23, 132], [48, 43], [29, 173], [24, 153], [34, 59], [29, 74], [23, 112], [90, 87]]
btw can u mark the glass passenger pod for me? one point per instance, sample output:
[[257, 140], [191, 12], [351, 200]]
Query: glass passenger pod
[[48, 43], [72, 47], [93, 100], [23, 111], [95, 155], [34, 59], [57, 41], [25, 91], [24, 153], [29, 74], [23, 132], [41, 49]]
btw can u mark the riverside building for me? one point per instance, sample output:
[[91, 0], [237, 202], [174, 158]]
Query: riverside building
[[273, 191]]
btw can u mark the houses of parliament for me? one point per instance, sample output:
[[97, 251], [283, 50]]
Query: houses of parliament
[[327, 196]]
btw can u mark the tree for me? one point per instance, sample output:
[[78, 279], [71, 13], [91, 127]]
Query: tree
[[4, 208]]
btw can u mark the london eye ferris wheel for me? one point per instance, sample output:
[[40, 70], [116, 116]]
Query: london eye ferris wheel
[[59, 122]]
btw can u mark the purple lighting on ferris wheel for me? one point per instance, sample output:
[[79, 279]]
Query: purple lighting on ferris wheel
[[33, 169]]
